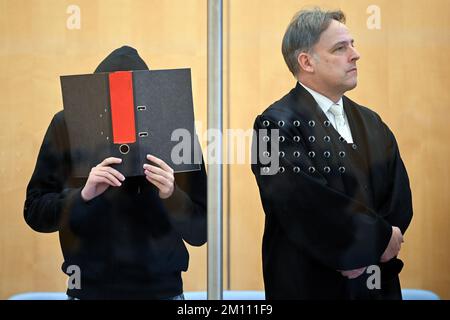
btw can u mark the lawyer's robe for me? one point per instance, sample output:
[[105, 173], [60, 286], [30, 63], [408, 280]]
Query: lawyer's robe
[[331, 204]]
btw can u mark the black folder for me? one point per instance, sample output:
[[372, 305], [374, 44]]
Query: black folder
[[129, 115]]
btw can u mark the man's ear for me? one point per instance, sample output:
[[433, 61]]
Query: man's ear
[[305, 62]]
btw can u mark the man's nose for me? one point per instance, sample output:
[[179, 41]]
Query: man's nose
[[354, 55]]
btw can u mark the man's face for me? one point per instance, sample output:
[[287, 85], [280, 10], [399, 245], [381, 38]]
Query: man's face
[[334, 60]]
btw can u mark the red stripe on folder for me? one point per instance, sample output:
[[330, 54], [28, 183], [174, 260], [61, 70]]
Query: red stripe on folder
[[122, 107]]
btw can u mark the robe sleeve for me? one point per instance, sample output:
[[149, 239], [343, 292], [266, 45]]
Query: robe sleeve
[[397, 208], [340, 232]]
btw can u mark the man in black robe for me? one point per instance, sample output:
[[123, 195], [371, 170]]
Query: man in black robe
[[338, 200]]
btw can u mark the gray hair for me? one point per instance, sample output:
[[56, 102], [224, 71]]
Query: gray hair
[[304, 32]]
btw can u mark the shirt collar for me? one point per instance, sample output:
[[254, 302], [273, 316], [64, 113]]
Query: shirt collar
[[323, 102]]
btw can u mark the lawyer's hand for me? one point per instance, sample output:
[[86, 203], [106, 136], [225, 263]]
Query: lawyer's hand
[[101, 178], [394, 245], [353, 274], [161, 176]]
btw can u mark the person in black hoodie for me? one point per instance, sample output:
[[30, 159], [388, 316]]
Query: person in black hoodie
[[125, 236]]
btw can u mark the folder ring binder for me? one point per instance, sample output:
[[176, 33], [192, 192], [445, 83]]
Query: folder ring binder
[[124, 148]]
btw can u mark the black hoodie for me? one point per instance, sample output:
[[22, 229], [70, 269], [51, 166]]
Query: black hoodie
[[127, 242]]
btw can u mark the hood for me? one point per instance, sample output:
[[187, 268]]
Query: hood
[[122, 59]]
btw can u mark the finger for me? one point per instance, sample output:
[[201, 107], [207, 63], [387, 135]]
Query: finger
[[158, 184], [349, 275], [160, 163], [392, 254], [113, 171], [109, 161], [362, 270], [399, 237], [109, 180], [109, 176], [355, 274], [354, 270], [158, 178], [159, 171], [346, 273], [99, 179]]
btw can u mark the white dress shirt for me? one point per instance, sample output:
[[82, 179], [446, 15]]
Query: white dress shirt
[[325, 104]]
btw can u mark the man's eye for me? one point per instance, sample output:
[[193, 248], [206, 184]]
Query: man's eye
[[340, 48]]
